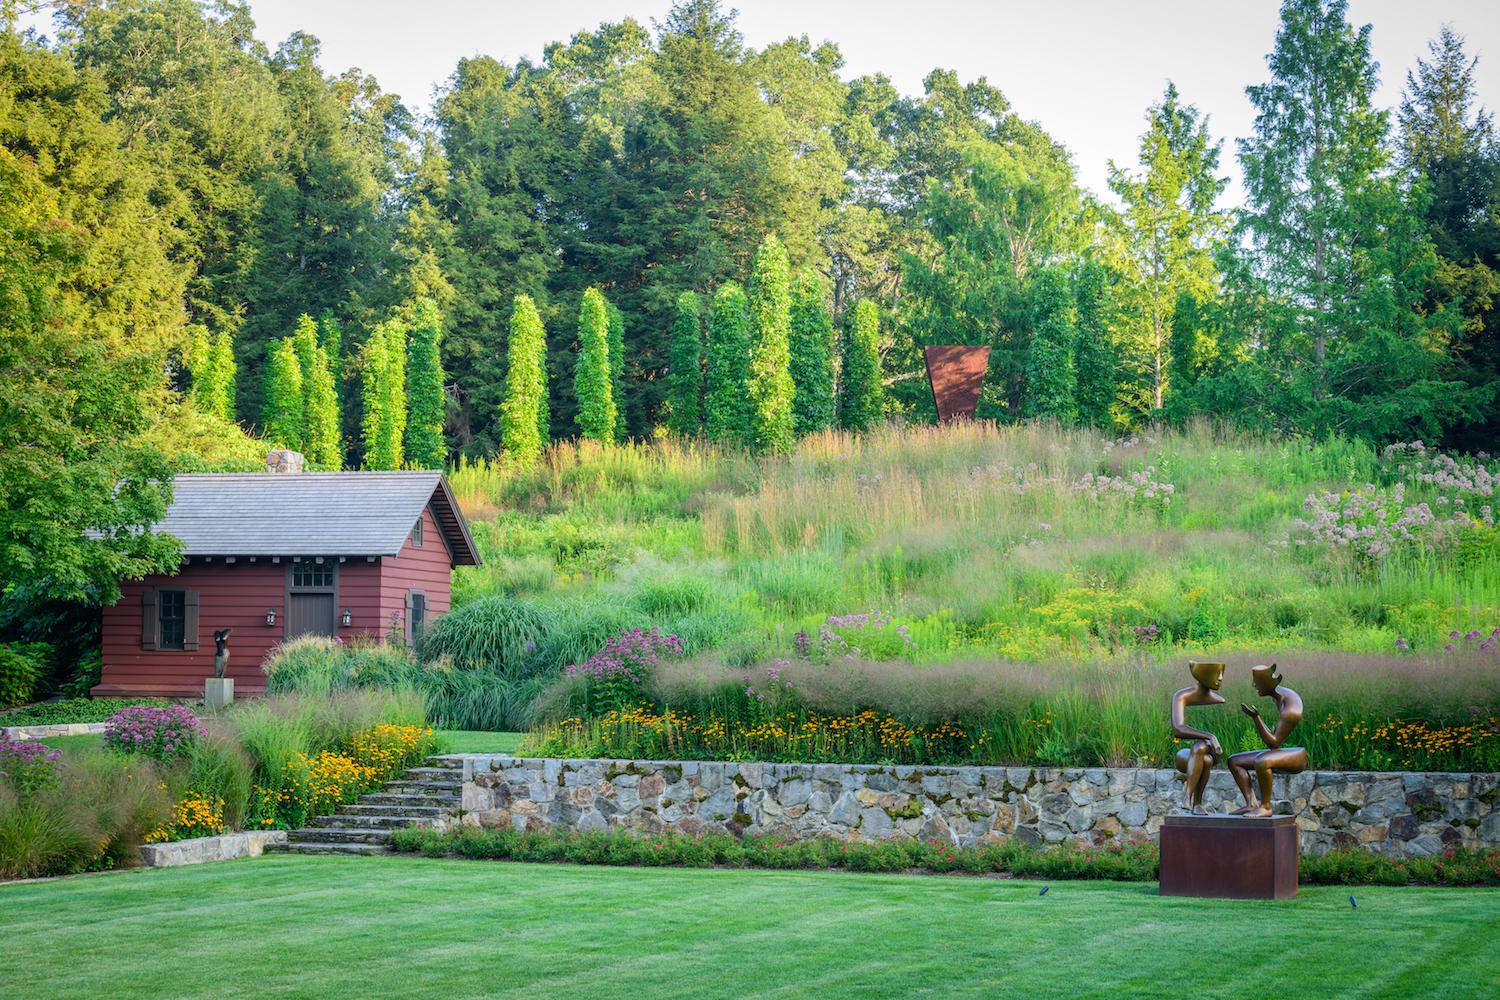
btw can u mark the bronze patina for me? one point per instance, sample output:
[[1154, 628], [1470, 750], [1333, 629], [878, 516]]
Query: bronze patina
[[1278, 756], [1197, 760]]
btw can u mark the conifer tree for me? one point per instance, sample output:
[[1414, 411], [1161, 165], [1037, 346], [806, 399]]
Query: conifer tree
[[591, 377], [1050, 373], [812, 355], [1094, 355], [426, 405], [281, 412], [726, 404], [861, 399], [617, 370], [771, 388], [323, 436], [685, 375], [525, 383]]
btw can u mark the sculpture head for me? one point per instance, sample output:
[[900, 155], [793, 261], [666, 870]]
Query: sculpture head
[[1265, 679], [1210, 675]]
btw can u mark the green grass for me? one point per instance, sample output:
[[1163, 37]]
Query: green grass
[[71, 743], [469, 741], [404, 927]]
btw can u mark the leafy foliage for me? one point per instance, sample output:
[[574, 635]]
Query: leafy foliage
[[522, 413], [860, 390], [726, 403], [770, 381], [685, 397], [593, 382], [812, 350], [426, 403]]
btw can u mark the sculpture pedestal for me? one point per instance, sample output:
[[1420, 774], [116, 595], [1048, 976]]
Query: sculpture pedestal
[[1229, 857], [218, 692]]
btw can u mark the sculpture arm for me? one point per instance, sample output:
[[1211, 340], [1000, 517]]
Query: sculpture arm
[[1273, 740]]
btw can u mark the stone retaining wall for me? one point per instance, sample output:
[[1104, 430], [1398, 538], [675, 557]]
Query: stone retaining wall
[[47, 732], [224, 847], [1403, 814]]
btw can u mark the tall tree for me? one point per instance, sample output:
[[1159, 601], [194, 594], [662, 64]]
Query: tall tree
[[771, 387], [685, 395], [81, 359], [282, 416], [525, 383], [426, 402], [617, 370], [1165, 241], [1448, 142], [812, 355], [305, 340], [861, 394], [331, 339], [592, 379], [1332, 242], [1051, 373], [726, 402]]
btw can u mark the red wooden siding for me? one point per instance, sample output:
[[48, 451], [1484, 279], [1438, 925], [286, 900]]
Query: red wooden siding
[[428, 569], [236, 595]]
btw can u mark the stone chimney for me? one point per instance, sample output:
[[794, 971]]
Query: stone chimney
[[283, 460]]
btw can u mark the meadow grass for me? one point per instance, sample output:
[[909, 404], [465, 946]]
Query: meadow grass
[[404, 927], [986, 540]]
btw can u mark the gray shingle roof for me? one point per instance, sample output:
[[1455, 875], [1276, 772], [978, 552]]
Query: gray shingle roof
[[311, 513]]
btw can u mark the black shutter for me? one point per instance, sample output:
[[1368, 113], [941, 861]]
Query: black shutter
[[150, 623], [406, 618], [189, 619]]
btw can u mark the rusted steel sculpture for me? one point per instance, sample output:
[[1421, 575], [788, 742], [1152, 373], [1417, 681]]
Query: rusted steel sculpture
[[956, 374], [1197, 760], [1278, 756]]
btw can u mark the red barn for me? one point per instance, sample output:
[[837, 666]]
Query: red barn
[[281, 554]]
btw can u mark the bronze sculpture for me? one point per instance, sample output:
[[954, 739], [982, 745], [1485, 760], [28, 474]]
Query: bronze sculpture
[[1278, 756], [221, 652], [1197, 760]]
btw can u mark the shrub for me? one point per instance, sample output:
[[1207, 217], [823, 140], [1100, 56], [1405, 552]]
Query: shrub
[[20, 673], [28, 766], [158, 733]]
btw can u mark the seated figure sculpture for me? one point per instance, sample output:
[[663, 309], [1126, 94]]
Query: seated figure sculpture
[[1197, 760], [1278, 756]]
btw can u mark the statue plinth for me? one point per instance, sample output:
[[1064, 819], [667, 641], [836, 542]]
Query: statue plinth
[[218, 692], [1229, 857]]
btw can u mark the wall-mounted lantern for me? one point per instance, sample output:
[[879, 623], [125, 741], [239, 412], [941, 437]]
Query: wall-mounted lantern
[[348, 617], [271, 617]]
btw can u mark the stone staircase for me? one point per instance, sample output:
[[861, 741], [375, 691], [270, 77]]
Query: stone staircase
[[423, 796]]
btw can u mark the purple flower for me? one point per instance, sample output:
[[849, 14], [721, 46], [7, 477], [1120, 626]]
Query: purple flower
[[156, 732]]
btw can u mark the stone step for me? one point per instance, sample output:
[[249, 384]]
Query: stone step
[[368, 822], [446, 763], [435, 774], [443, 788], [364, 808], [314, 847], [413, 799], [337, 835]]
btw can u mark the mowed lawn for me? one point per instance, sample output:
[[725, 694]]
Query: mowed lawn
[[414, 927]]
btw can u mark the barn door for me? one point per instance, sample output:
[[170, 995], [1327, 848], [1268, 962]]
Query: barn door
[[311, 614]]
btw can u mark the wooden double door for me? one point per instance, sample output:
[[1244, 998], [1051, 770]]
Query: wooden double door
[[312, 598]]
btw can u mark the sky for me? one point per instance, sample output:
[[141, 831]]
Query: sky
[[1085, 69]]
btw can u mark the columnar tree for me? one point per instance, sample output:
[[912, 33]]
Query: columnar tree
[[592, 380], [726, 403], [305, 341], [426, 402], [331, 339], [322, 436], [1051, 377], [198, 357], [222, 376], [384, 384], [812, 355], [617, 370], [1165, 241], [861, 395], [1094, 356], [281, 407], [771, 387], [685, 373], [525, 383]]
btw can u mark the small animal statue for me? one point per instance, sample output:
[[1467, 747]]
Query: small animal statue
[[221, 652]]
